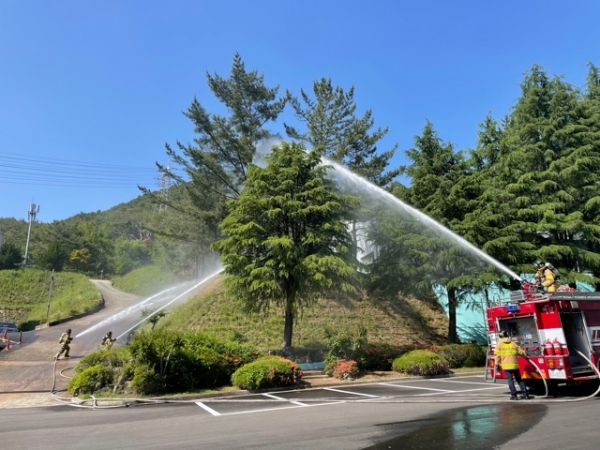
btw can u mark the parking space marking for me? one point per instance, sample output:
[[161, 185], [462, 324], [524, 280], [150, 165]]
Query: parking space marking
[[465, 390], [207, 408], [215, 413], [443, 380], [351, 393], [280, 402], [415, 387], [285, 400]]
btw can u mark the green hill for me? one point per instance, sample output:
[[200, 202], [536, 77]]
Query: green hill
[[404, 321], [24, 296]]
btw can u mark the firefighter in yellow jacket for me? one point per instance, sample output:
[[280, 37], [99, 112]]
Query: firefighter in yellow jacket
[[546, 276], [507, 355], [65, 340]]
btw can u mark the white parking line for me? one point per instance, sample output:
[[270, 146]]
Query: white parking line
[[462, 382], [350, 392], [414, 387], [465, 390], [206, 408], [285, 400]]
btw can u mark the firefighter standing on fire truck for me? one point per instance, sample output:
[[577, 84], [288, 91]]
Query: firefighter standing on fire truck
[[546, 275], [507, 357]]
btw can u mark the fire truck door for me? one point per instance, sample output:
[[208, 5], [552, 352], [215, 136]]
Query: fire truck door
[[576, 337]]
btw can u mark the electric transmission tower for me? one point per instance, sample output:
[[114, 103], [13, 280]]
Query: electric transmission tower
[[32, 213]]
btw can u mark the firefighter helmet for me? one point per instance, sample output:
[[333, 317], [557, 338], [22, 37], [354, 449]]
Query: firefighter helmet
[[69, 331], [539, 264], [503, 334]]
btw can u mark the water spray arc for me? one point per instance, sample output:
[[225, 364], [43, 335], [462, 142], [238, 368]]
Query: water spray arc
[[423, 218], [125, 312], [169, 303]]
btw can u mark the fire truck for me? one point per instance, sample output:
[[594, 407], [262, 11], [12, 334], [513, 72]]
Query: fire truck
[[559, 333]]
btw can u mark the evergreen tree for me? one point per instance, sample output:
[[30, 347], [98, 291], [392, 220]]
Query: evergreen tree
[[285, 237], [10, 256], [332, 124], [54, 257], [213, 169], [416, 255], [546, 168]]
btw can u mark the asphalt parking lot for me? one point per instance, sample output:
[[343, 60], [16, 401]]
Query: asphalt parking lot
[[471, 388]]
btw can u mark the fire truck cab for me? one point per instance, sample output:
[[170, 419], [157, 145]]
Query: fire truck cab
[[559, 333]]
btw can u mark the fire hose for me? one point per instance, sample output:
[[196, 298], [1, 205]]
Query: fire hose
[[569, 400]]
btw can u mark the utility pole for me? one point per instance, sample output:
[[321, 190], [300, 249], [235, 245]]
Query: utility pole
[[33, 210]]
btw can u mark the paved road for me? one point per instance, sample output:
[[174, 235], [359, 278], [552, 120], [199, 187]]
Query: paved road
[[403, 414]]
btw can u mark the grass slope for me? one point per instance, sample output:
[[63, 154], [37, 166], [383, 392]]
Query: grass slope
[[24, 296], [145, 281], [399, 322]]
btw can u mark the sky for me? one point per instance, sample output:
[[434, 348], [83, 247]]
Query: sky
[[90, 92]]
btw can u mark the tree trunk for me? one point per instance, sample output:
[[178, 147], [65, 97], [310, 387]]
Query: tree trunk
[[288, 328], [452, 301]]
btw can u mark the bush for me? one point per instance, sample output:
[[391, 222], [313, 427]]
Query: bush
[[165, 361], [90, 380], [476, 355], [235, 353], [463, 355], [113, 358], [378, 356], [342, 368], [146, 381], [267, 372], [421, 363]]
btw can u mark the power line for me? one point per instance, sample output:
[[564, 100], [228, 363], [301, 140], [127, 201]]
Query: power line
[[16, 169]]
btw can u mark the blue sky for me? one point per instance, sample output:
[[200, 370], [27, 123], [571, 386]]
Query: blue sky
[[99, 86]]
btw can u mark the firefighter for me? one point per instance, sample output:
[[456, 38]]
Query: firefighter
[[546, 276], [507, 358], [107, 340], [65, 340]]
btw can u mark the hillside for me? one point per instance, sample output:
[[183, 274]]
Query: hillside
[[404, 321], [25, 293]]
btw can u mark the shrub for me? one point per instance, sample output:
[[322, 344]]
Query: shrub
[[422, 363], [342, 368], [114, 357], [476, 355], [463, 355], [378, 356], [90, 380], [453, 353], [235, 353], [146, 381], [267, 372], [203, 368]]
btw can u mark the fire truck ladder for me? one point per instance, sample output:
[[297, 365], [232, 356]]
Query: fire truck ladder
[[489, 355]]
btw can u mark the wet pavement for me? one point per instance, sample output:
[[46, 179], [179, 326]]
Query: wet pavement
[[472, 428]]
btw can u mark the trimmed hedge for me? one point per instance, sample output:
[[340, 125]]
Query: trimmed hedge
[[267, 372], [421, 363]]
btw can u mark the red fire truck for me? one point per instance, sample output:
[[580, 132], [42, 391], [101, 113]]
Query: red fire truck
[[559, 332]]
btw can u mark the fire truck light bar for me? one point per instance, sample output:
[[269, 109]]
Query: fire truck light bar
[[512, 308]]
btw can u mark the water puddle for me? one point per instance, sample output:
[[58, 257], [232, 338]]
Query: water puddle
[[474, 428]]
